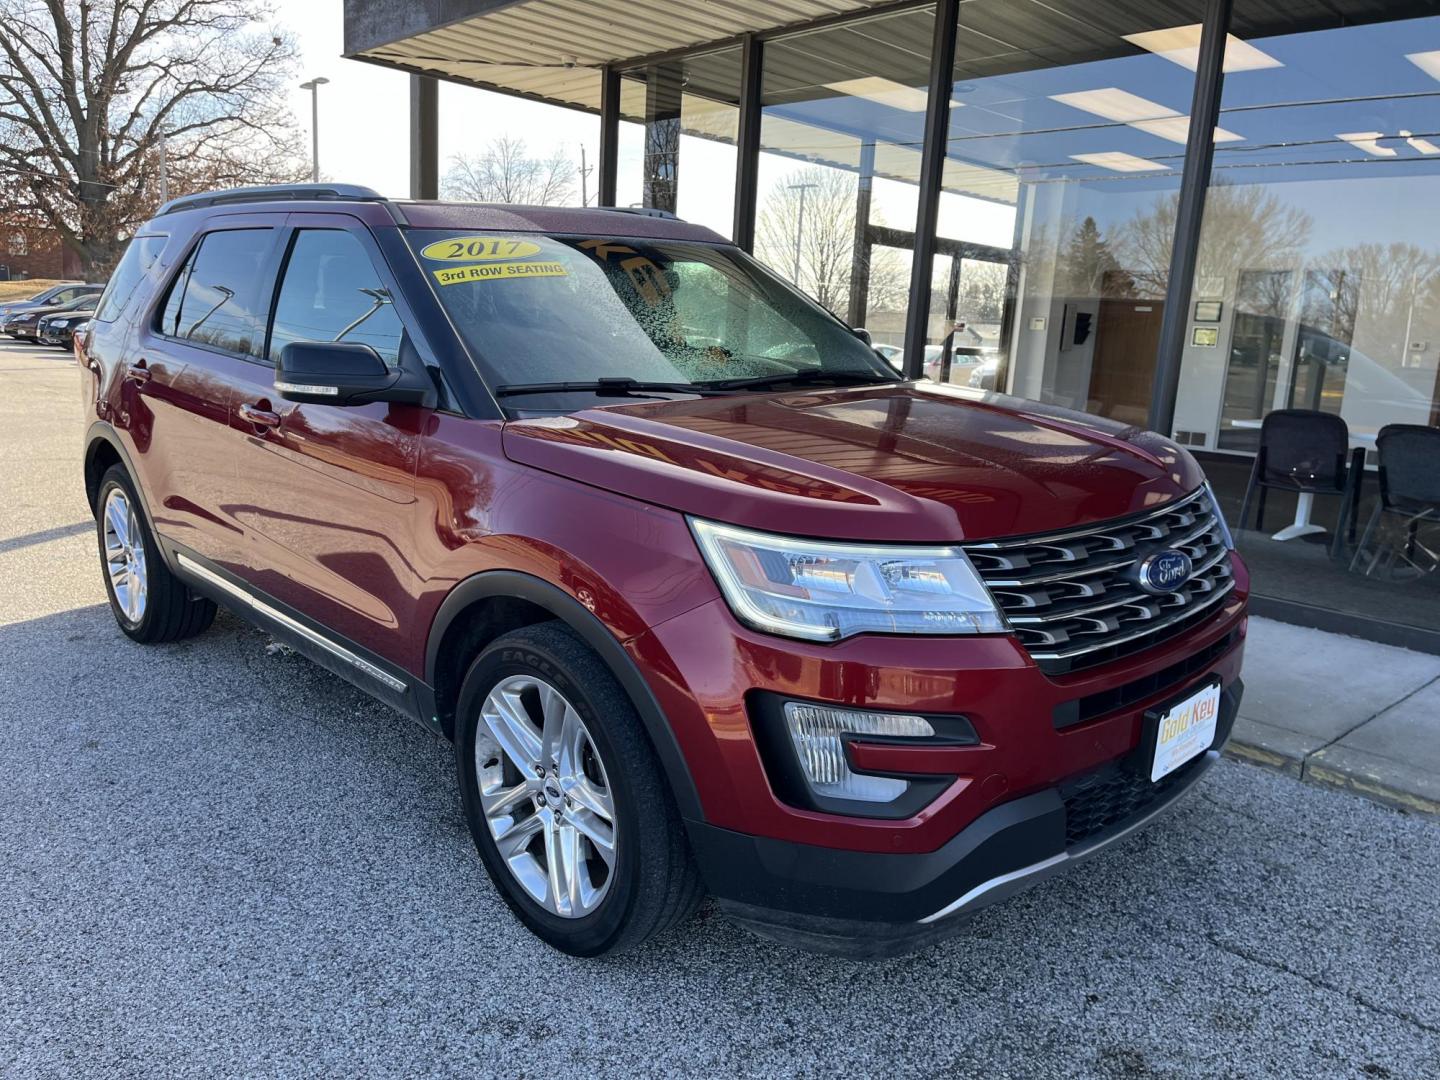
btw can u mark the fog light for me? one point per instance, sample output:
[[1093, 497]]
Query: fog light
[[817, 731]]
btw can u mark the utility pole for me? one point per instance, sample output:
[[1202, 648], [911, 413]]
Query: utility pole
[[164, 173], [800, 225], [314, 87], [585, 171]]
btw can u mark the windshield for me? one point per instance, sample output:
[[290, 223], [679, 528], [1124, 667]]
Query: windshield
[[548, 309]]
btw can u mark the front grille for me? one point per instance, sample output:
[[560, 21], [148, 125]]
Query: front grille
[[1107, 799], [1074, 598]]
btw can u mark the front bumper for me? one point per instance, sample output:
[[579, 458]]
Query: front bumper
[[870, 905], [775, 861]]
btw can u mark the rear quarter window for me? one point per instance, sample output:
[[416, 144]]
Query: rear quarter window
[[214, 297], [139, 257]]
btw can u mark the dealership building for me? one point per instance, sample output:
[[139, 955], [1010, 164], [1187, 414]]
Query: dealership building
[[1183, 214]]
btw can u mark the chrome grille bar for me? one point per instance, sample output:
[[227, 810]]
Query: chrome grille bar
[[1074, 599]]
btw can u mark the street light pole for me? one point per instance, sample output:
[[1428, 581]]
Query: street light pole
[[800, 225], [314, 87]]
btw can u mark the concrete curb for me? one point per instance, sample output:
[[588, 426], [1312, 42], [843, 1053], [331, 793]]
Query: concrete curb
[[1377, 780]]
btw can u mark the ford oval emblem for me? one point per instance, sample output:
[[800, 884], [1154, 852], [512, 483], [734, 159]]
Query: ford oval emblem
[[1165, 571]]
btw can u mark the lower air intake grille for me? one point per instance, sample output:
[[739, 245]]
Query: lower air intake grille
[[1103, 800]]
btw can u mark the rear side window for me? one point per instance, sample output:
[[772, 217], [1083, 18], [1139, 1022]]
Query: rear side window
[[332, 292], [214, 298], [139, 257]]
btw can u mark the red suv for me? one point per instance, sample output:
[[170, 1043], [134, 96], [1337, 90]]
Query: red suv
[[707, 598]]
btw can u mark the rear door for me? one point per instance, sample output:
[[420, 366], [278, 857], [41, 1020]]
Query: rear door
[[193, 351], [326, 493]]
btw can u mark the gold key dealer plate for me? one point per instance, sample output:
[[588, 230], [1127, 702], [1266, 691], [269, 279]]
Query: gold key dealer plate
[[1186, 730]]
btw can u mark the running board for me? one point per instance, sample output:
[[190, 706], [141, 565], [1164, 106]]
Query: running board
[[294, 626]]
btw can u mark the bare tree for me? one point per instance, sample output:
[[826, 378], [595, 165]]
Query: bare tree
[[1245, 227], [1383, 286], [505, 173], [90, 88], [806, 231]]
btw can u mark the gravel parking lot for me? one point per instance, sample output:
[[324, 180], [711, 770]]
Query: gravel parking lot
[[217, 859]]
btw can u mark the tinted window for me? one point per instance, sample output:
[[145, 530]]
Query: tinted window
[[213, 300], [331, 292], [139, 257]]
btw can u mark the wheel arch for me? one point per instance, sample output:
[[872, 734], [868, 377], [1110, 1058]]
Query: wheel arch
[[493, 602], [103, 449]]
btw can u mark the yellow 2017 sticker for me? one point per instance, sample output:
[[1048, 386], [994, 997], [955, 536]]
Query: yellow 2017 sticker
[[479, 248], [499, 272]]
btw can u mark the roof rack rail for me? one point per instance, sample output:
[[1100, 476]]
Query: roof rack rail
[[643, 211], [272, 193]]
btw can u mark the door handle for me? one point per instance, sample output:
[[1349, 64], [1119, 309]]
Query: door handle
[[138, 372], [259, 416]]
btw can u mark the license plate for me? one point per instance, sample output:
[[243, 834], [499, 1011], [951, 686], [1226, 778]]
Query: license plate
[[1187, 728]]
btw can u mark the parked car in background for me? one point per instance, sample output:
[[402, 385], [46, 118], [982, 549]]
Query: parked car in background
[[706, 596], [61, 327], [25, 324], [983, 374], [54, 295]]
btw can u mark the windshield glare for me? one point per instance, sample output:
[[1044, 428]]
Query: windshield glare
[[542, 309]]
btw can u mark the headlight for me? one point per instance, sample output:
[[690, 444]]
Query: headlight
[[825, 591], [1220, 517]]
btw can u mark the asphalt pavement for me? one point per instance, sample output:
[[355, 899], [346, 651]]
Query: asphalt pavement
[[218, 860]]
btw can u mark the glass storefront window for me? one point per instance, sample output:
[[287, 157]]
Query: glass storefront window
[[1317, 288], [1066, 143], [842, 126], [677, 137]]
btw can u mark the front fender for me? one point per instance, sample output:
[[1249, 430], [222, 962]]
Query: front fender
[[569, 610]]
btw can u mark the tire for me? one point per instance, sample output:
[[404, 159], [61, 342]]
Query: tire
[[162, 608], [650, 883]]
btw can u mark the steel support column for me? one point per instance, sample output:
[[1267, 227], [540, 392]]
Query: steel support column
[[747, 141], [860, 257], [1194, 178], [424, 137], [609, 136], [932, 169]]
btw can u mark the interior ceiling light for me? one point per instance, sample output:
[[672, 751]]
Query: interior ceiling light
[[1428, 62], [1177, 129], [884, 91], [1369, 142], [1181, 45], [1425, 146], [1115, 161], [1115, 104]]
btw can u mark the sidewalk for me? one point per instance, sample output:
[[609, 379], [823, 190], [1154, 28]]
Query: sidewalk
[[1337, 710]]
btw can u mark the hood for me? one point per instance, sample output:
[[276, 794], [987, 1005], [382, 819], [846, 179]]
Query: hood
[[910, 461]]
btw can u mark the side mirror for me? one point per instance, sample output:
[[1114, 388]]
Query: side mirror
[[345, 373], [863, 335]]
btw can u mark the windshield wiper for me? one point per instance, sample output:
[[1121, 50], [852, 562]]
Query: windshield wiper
[[618, 387], [804, 378]]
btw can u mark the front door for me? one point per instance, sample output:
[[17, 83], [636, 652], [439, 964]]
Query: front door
[[1127, 340], [326, 493], [193, 353]]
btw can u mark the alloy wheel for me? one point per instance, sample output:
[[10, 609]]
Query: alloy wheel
[[125, 555], [546, 796]]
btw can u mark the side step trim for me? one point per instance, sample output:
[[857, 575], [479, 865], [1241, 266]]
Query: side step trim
[[243, 595]]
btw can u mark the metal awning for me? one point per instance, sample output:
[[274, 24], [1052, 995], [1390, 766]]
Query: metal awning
[[553, 50]]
